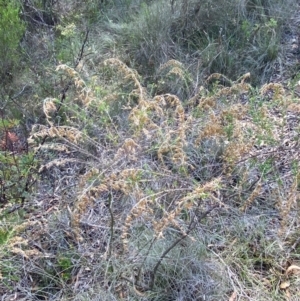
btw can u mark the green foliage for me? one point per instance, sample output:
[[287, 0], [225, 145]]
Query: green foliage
[[9, 274], [66, 43], [65, 265], [11, 31], [18, 166], [4, 236], [17, 175]]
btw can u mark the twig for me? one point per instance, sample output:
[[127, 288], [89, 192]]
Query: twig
[[112, 223]]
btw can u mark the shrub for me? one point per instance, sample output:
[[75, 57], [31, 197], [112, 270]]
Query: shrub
[[17, 164], [159, 184], [11, 31], [169, 190]]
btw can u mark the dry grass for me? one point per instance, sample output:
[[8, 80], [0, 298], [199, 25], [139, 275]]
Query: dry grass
[[157, 198], [156, 183], [155, 170]]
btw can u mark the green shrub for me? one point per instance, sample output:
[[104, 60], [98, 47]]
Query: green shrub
[[17, 166], [11, 31]]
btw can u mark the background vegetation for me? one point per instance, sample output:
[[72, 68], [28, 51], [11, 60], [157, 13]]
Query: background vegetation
[[146, 154]]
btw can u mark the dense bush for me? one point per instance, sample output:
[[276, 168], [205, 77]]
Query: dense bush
[[11, 31]]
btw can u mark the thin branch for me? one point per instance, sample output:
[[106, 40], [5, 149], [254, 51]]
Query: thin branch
[[112, 223]]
